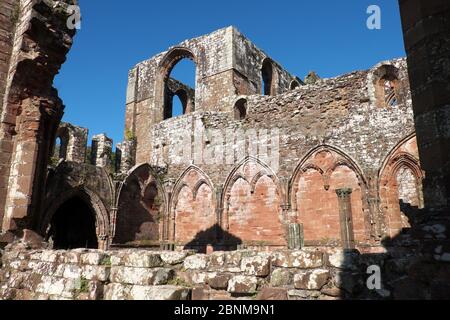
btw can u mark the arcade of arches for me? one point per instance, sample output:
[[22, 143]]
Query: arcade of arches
[[253, 207]]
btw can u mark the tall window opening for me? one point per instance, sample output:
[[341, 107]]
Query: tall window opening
[[179, 97], [267, 78], [240, 109]]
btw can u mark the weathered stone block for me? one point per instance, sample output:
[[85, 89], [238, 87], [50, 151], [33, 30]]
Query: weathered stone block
[[72, 272], [297, 259], [51, 256], [139, 259], [197, 277], [173, 258], [233, 258], [256, 266], [311, 280], [45, 268], [217, 259], [72, 257], [196, 262], [141, 276], [94, 258], [303, 295], [276, 294], [243, 285], [160, 293], [342, 259], [117, 292], [218, 281], [93, 272], [281, 277]]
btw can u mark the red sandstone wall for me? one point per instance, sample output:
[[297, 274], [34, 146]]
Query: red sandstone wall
[[253, 206], [194, 210], [317, 202], [401, 179]]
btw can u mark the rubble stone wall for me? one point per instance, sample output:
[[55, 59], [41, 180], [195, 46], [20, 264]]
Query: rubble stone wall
[[308, 274]]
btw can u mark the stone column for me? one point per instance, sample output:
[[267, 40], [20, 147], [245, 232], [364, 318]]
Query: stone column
[[346, 222], [101, 151], [219, 213], [125, 156], [426, 29]]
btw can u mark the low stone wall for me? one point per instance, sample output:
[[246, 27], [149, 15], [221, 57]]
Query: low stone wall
[[147, 275]]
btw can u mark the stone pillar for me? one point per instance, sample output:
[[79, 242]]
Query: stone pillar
[[125, 156], [296, 236], [426, 29], [101, 151], [219, 213], [76, 150], [346, 222]]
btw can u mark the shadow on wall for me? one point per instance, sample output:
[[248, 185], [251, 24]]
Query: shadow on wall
[[137, 219], [408, 269], [215, 238]]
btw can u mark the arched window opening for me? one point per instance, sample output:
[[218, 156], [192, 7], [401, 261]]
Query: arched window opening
[[294, 84], [267, 78], [240, 109], [179, 87], [386, 83], [60, 146], [390, 97], [58, 153], [74, 226]]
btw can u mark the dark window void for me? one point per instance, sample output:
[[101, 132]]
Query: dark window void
[[73, 226], [179, 89], [240, 109], [61, 144], [176, 103], [267, 78], [294, 84]]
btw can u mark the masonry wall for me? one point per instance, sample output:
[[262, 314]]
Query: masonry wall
[[309, 274], [7, 24], [221, 76], [333, 134], [31, 108]]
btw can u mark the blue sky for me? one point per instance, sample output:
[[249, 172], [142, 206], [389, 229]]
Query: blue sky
[[327, 36]]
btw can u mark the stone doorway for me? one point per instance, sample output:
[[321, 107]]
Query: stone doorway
[[73, 226]]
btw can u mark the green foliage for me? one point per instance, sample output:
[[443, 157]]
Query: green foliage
[[179, 283], [129, 135], [106, 261], [83, 287]]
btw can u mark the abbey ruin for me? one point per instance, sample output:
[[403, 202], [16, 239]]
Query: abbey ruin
[[265, 182]]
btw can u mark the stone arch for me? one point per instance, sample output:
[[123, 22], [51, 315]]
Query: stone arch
[[269, 77], [398, 209], [313, 195], [64, 135], [141, 204], [252, 205], [93, 201], [168, 62], [385, 81], [240, 109], [192, 209], [294, 84]]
